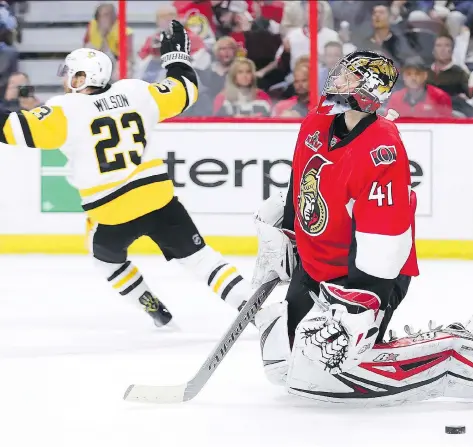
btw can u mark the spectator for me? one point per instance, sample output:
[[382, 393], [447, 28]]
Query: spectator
[[16, 8], [463, 47], [103, 34], [233, 19], [19, 94], [225, 52], [333, 52], [150, 69], [451, 78], [198, 17], [298, 105], [439, 10], [8, 53], [324, 34], [261, 46], [263, 15], [240, 96], [295, 38], [353, 11], [383, 39], [199, 25], [290, 91], [418, 99]]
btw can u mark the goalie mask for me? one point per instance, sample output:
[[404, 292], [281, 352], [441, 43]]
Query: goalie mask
[[361, 81]]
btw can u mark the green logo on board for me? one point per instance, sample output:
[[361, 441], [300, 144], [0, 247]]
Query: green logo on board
[[57, 195]]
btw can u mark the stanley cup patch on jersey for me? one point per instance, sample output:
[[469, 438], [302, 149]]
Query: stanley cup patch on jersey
[[312, 141], [312, 210]]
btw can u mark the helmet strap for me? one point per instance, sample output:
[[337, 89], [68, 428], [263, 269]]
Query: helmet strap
[[73, 89]]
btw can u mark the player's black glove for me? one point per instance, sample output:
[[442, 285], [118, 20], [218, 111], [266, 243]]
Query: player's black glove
[[175, 45]]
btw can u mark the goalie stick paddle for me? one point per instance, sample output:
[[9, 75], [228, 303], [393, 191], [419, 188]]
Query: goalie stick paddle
[[163, 394]]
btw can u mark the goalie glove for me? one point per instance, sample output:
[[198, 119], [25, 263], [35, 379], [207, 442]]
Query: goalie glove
[[341, 337], [175, 45], [276, 246]]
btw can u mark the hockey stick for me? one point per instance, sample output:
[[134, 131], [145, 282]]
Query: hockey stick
[[163, 394]]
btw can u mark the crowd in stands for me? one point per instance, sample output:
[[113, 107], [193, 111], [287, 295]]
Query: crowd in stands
[[253, 57]]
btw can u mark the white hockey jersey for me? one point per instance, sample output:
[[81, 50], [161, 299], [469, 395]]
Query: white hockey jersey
[[109, 141]]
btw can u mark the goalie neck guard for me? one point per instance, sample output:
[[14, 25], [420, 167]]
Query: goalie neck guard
[[361, 81]]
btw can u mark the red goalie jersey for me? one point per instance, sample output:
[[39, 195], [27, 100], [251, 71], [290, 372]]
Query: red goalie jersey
[[354, 208]]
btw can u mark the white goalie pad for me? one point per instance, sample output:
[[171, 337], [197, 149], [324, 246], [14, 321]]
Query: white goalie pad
[[271, 322], [425, 366]]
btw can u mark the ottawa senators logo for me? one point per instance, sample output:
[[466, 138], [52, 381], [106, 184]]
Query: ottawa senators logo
[[312, 211], [383, 155]]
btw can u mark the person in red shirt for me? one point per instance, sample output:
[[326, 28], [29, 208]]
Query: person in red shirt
[[150, 68], [240, 96], [419, 99], [198, 17]]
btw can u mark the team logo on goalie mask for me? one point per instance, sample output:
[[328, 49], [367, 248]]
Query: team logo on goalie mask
[[312, 211]]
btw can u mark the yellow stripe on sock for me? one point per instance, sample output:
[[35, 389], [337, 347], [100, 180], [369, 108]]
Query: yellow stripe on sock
[[223, 277], [126, 278]]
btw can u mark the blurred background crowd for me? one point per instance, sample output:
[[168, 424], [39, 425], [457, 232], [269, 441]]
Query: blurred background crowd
[[252, 57]]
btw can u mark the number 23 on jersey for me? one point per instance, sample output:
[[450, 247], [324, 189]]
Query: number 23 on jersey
[[110, 156]]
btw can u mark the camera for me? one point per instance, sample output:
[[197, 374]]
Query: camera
[[25, 91]]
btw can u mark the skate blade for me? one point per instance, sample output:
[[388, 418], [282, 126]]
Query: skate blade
[[170, 327]]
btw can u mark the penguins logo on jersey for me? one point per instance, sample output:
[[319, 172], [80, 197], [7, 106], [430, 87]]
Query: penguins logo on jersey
[[312, 211]]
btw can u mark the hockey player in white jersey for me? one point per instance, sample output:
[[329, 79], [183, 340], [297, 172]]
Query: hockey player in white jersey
[[107, 133]]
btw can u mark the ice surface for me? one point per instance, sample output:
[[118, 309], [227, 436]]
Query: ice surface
[[69, 347]]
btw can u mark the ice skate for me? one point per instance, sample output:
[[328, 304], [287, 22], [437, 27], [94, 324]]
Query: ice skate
[[155, 309]]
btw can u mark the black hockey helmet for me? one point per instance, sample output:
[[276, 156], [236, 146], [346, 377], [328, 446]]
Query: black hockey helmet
[[361, 81]]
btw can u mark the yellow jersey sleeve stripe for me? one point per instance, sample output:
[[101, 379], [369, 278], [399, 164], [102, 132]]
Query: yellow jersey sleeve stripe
[[45, 131]]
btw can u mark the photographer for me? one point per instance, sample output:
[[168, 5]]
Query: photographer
[[19, 94]]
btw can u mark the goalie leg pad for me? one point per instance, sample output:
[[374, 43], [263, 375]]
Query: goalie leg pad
[[271, 322], [222, 277], [421, 367]]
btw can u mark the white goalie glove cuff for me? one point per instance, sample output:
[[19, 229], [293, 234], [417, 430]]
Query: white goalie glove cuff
[[275, 254], [271, 210], [276, 250]]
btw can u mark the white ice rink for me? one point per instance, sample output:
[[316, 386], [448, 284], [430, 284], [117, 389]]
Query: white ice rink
[[69, 347]]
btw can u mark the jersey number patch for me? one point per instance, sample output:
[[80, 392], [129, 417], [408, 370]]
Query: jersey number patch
[[41, 112], [115, 127], [376, 193]]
